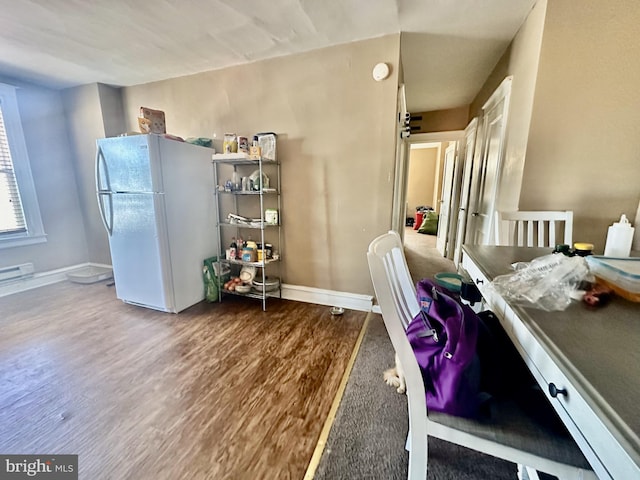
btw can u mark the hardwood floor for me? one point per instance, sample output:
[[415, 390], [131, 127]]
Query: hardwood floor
[[219, 391]]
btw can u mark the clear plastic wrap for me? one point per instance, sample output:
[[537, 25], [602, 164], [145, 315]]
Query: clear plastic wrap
[[547, 283]]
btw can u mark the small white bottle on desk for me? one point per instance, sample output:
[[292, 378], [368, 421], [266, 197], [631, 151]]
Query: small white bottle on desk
[[619, 238]]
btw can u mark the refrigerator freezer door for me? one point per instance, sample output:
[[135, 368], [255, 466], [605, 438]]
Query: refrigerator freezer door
[[138, 244], [127, 164]]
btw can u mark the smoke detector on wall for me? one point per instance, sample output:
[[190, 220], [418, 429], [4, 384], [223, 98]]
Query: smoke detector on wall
[[380, 72]]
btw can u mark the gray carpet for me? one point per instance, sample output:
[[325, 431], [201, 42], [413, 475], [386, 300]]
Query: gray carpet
[[422, 257], [368, 436]]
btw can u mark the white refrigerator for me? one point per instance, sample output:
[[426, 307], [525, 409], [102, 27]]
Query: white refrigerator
[[157, 203]]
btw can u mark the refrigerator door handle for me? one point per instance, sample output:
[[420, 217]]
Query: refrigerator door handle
[[103, 171], [107, 222]]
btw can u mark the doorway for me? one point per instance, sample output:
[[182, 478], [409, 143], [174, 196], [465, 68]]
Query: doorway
[[424, 177], [423, 189]]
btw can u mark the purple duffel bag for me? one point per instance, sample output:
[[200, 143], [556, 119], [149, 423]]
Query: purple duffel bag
[[444, 337]]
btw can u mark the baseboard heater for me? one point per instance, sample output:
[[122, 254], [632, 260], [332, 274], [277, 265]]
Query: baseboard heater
[[16, 272]]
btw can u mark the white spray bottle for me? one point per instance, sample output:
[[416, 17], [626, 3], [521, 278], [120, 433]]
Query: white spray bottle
[[636, 236], [619, 238]]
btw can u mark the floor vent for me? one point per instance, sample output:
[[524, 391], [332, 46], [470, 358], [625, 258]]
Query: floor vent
[[16, 272]]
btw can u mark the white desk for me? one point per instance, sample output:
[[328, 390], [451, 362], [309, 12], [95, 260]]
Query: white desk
[[592, 353]]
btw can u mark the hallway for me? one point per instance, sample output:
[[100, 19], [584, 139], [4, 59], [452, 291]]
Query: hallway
[[422, 257]]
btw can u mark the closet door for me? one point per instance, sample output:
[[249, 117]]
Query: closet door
[[494, 120], [450, 156], [466, 156]]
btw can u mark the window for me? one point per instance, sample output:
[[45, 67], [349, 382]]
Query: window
[[11, 215], [20, 222]]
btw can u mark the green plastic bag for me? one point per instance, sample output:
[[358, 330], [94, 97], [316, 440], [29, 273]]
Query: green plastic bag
[[212, 283], [429, 223]]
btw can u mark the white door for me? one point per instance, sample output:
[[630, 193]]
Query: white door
[[456, 193], [398, 212], [494, 120], [466, 155], [445, 201]]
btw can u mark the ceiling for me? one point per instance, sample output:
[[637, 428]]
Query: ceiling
[[448, 47]]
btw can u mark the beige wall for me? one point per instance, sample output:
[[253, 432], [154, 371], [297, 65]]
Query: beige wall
[[110, 99], [573, 113], [85, 124], [498, 74], [584, 147], [521, 61], [523, 65], [440, 120], [421, 178], [336, 142]]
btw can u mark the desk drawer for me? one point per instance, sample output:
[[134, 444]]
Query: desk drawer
[[494, 302], [581, 421]]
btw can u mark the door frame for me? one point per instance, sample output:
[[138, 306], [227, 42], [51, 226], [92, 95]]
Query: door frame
[[402, 170]]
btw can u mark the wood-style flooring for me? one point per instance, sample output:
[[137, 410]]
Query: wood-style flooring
[[219, 391]]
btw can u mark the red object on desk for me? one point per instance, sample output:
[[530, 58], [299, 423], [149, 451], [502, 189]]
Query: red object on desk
[[418, 221]]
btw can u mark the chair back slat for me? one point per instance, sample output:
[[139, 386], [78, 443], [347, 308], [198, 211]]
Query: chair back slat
[[396, 288], [552, 234], [533, 228], [387, 255]]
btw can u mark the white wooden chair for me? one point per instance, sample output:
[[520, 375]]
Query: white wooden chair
[[533, 228], [509, 434]]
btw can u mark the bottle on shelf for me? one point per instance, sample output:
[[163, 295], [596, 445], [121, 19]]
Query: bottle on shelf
[[235, 180], [233, 249], [251, 247], [255, 151]]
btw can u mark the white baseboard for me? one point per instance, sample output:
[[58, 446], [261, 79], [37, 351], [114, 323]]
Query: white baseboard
[[353, 301], [41, 279]]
